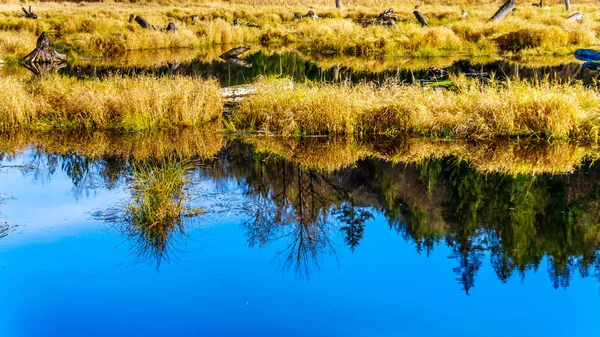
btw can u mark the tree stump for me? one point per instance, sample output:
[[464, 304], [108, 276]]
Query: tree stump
[[420, 18], [172, 27], [312, 15], [29, 14], [143, 23], [503, 11], [338, 4], [44, 52], [568, 5]]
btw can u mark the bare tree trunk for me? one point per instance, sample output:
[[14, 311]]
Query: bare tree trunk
[[44, 52], [338, 4], [504, 10], [568, 5]]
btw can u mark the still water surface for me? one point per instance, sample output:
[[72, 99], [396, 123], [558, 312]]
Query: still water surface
[[362, 248]]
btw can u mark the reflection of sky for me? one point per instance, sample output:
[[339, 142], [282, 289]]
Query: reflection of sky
[[66, 275]]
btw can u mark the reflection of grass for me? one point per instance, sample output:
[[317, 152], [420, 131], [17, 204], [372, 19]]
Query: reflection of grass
[[127, 104], [504, 156], [155, 213], [204, 142], [511, 109]]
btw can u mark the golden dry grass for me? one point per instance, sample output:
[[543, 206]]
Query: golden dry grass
[[126, 104], [470, 109], [102, 28]]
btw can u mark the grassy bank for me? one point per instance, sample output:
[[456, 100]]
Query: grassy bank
[[470, 109], [103, 28], [124, 104]]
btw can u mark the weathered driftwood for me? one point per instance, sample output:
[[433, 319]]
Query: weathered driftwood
[[235, 52], [338, 4], [420, 18], [503, 11], [233, 94], [575, 17], [587, 55], [44, 52], [30, 14], [568, 5]]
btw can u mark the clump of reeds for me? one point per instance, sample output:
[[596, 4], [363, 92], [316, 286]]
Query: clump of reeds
[[471, 109], [155, 213], [126, 104]]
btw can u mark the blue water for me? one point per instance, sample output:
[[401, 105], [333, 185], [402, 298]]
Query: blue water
[[65, 273]]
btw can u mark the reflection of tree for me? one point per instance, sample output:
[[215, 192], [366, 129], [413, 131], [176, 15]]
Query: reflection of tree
[[290, 204], [154, 216], [354, 219]]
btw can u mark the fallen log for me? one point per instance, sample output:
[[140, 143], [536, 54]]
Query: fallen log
[[575, 17], [420, 18], [235, 52], [29, 14], [587, 55], [44, 52], [503, 11]]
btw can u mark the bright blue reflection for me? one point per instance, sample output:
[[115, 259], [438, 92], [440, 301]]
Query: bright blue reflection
[[65, 274]]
